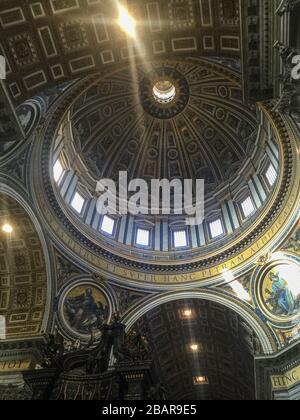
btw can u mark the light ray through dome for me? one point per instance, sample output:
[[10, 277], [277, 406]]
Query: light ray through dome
[[127, 22]]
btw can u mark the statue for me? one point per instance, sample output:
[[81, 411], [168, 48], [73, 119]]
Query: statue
[[52, 349], [83, 372], [94, 358], [283, 104], [286, 6]]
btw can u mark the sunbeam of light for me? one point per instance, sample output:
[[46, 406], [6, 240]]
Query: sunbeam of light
[[239, 290], [236, 286], [7, 228], [126, 21]]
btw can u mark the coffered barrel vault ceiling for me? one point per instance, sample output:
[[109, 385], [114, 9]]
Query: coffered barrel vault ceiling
[[224, 355], [49, 41], [23, 277]]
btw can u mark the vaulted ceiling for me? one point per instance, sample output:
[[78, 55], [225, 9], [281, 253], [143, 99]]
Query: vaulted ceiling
[[224, 356], [50, 41], [23, 277], [206, 133]]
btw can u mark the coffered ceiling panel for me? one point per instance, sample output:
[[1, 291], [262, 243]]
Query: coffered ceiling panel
[[49, 41], [23, 278], [202, 351]]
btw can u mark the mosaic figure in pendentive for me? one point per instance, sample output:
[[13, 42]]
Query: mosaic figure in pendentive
[[86, 308], [282, 296], [293, 244]]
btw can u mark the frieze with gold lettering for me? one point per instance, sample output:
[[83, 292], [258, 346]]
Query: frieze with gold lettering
[[287, 380], [16, 365]]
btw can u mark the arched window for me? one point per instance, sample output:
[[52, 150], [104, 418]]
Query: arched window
[[78, 202], [58, 171], [180, 239], [143, 237], [107, 225], [248, 207]]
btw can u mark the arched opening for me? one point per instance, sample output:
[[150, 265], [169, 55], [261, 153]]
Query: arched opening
[[164, 91], [202, 350], [24, 291]]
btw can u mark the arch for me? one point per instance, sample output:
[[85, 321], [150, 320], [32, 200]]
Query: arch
[[267, 342], [19, 198]]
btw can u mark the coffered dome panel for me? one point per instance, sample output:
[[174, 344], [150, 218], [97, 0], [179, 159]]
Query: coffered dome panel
[[103, 125], [204, 132]]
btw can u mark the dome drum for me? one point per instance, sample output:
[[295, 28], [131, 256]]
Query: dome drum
[[234, 218], [223, 197]]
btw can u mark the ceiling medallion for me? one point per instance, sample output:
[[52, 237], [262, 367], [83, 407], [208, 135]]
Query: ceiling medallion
[[164, 92]]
